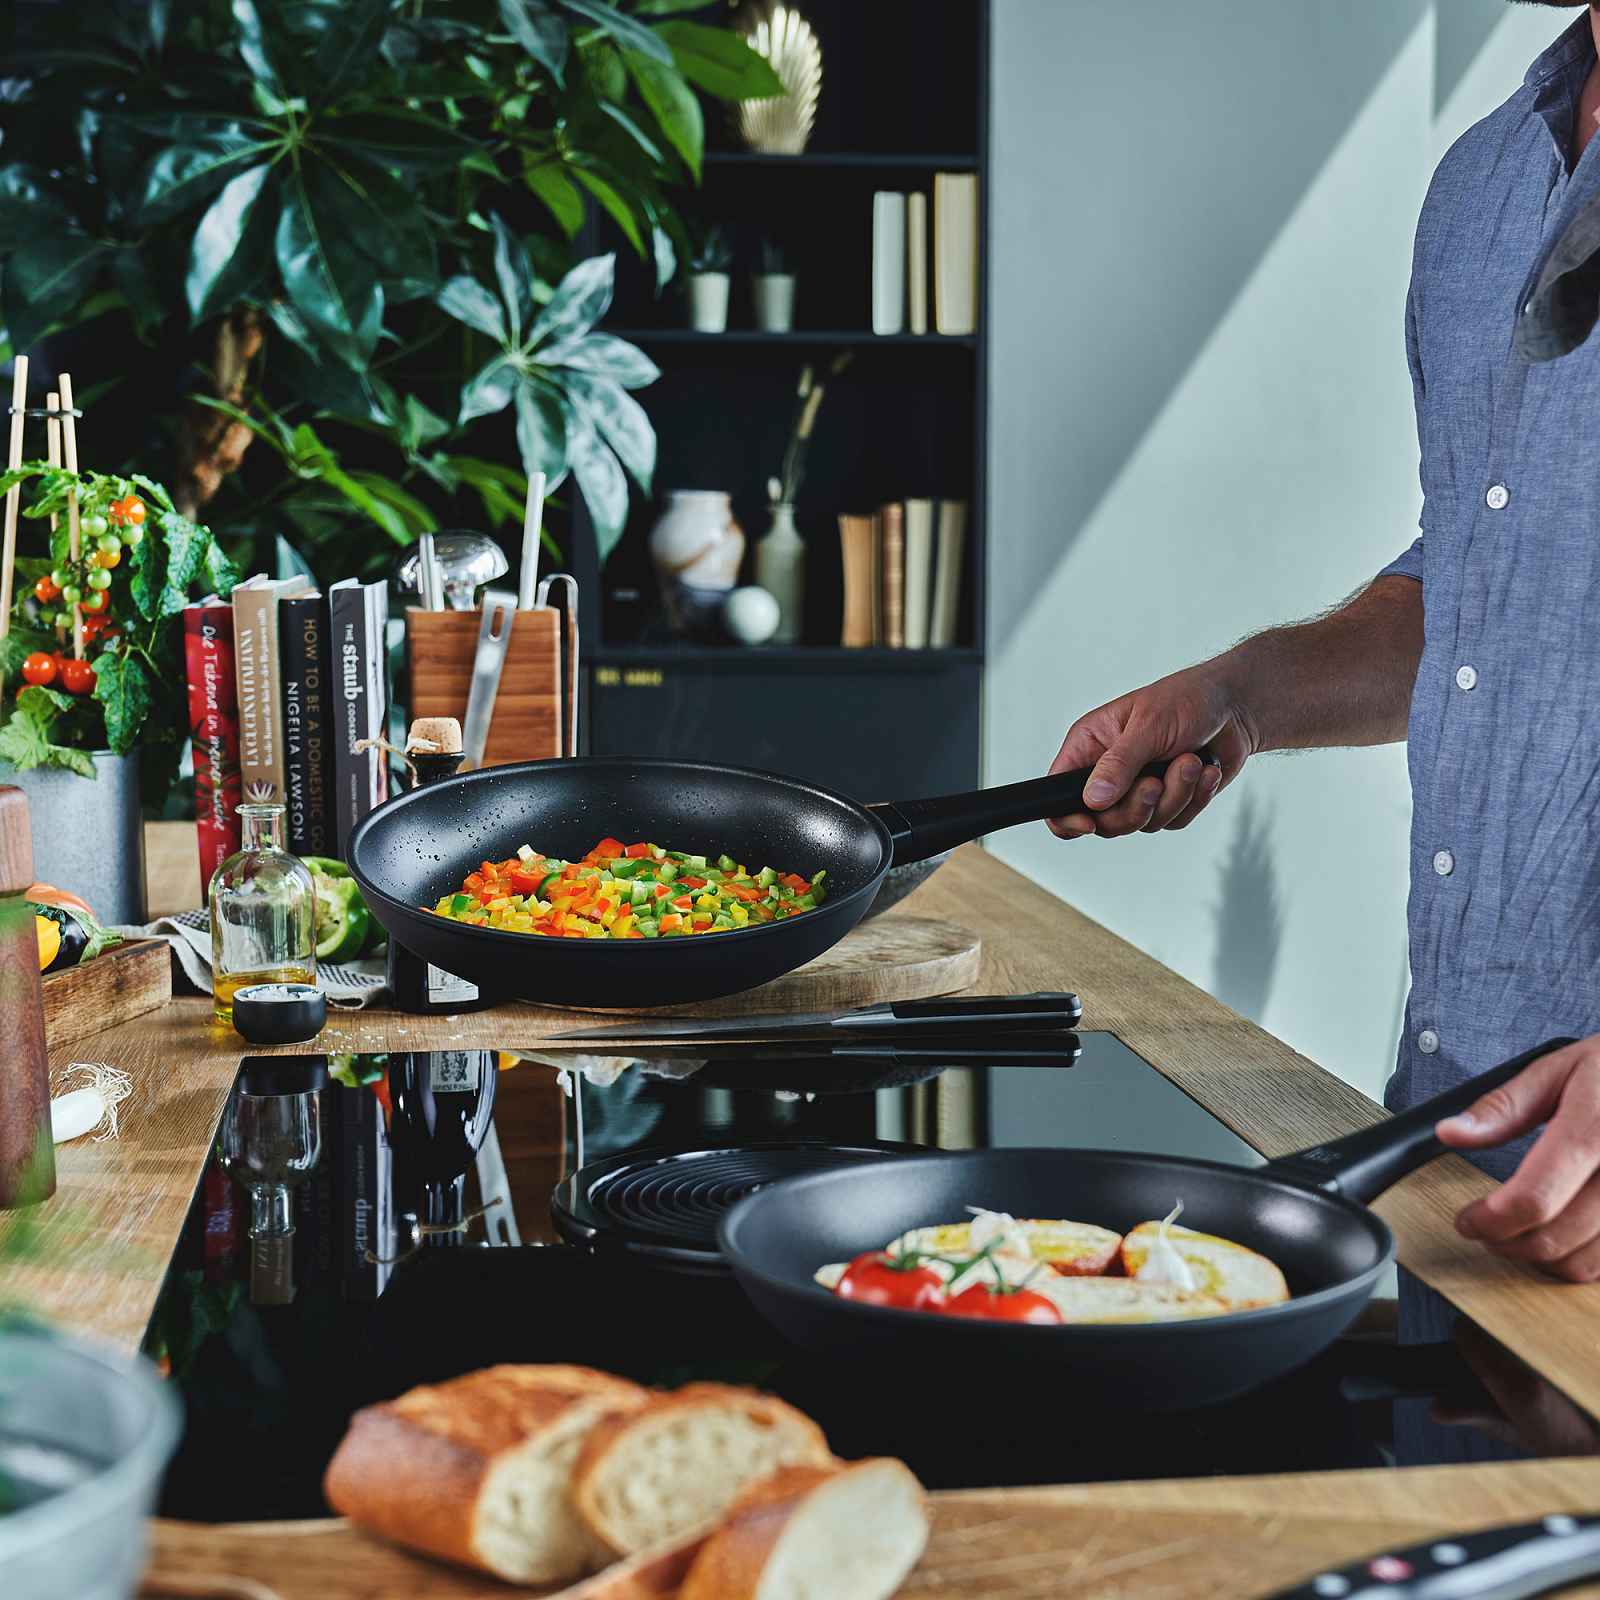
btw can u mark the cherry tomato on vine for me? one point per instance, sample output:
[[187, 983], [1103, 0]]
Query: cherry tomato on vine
[[108, 544], [876, 1279], [133, 509], [105, 560], [95, 600], [60, 577], [1002, 1305], [99, 578], [71, 593], [132, 535], [77, 677], [39, 668], [93, 527], [46, 589]]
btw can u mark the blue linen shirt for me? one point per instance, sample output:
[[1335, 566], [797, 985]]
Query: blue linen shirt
[[1504, 743]]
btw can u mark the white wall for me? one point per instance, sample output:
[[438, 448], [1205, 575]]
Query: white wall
[[1201, 424]]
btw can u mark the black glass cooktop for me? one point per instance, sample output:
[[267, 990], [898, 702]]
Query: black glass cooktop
[[367, 1223]]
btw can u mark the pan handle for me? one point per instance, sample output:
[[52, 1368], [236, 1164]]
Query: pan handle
[[1362, 1165], [923, 828]]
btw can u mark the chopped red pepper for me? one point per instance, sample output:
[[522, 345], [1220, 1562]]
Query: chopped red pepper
[[693, 883], [607, 850], [523, 882], [635, 851]]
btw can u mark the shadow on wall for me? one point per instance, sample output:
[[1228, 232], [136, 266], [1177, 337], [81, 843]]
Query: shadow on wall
[[1249, 916]]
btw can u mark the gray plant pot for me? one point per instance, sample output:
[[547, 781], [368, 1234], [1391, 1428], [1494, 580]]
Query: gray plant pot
[[84, 1438], [88, 835]]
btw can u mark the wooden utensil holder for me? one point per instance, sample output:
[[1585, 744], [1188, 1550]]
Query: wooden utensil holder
[[530, 719]]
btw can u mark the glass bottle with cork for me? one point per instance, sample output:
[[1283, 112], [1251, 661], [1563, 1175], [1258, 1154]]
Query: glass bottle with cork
[[263, 912]]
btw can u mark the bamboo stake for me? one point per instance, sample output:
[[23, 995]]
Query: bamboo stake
[[8, 556], [52, 433], [69, 439]]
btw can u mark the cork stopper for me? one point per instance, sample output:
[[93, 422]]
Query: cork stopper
[[434, 736]]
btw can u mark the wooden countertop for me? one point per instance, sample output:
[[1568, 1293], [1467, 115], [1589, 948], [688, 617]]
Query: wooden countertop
[[112, 1224]]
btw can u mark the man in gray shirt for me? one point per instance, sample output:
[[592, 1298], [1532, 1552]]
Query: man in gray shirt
[[1487, 632]]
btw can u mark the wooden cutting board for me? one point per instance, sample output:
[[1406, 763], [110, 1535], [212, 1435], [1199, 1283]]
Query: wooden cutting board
[[888, 958]]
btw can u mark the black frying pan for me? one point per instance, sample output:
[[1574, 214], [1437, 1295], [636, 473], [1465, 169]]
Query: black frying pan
[[419, 847], [1305, 1212]]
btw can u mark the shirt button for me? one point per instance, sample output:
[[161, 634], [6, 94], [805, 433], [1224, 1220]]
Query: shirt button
[[1498, 497], [1466, 677], [1444, 863], [1427, 1041]]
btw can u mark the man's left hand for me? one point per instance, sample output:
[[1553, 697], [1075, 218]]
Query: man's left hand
[[1548, 1211]]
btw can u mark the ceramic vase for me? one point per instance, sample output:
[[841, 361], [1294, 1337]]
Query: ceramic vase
[[696, 548], [708, 302], [773, 295], [781, 571]]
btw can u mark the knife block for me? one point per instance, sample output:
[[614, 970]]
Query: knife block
[[534, 711], [27, 1150]]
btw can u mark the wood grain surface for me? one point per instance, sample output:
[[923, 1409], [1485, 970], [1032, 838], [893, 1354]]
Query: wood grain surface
[[123, 982]]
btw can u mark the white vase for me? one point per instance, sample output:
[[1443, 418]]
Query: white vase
[[773, 293], [781, 571], [708, 302], [696, 541]]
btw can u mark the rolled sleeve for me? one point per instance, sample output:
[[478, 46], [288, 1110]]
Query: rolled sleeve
[[1408, 564]]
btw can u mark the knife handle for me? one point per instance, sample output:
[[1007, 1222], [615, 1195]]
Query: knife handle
[[956, 1013]]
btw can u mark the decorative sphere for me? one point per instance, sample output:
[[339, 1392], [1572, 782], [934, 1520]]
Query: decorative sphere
[[751, 614]]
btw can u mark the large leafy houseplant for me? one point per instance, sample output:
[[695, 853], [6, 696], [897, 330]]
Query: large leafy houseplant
[[347, 228]]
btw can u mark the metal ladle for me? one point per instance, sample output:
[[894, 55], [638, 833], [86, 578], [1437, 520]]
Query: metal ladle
[[466, 560]]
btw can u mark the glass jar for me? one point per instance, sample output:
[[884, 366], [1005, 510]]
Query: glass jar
[[263, 912]]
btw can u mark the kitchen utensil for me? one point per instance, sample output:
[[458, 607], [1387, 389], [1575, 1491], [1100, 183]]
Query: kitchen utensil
[[419, 847], [568, 609], [466, 562], [985, 1014], [1505, 1563], [532, 521], [430, 585], [494, 636], [1304, 1211]]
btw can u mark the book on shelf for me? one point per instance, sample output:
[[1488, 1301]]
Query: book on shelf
[[257, 669], [919, 572], [946, 609], [955, 252], [892, 559], [213, 730], [307, 731], [357, 613], [888, 262], [857, 537], [917, 262]]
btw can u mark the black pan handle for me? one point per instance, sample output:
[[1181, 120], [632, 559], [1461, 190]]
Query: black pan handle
[[1362, 1165], [923, 828]]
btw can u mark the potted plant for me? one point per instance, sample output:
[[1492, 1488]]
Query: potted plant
[[772, 290], [709, 280], [78, 733]]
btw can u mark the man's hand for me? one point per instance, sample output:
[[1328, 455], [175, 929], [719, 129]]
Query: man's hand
[[1177, 718], [1548, 1211]]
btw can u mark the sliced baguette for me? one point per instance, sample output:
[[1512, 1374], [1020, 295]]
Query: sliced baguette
[[1071, 1248], [845, 1532], [1232, 1273], [477, 1470], [1123, 1300], [645, 1476]]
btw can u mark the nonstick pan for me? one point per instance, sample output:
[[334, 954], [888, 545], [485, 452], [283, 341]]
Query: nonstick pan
[[417, 848], [1305, 1212]]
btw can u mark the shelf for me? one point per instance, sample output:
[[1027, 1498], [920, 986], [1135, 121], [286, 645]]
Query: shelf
[[787, 655], [843, 158], [796, 336]]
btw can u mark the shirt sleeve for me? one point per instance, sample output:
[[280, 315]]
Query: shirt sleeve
[[1408, 564]]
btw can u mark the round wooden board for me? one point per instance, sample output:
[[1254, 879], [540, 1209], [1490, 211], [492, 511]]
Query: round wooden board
[[888, 958]]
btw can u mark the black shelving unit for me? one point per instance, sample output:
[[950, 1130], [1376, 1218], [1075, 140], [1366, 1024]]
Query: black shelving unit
[[904, 97]]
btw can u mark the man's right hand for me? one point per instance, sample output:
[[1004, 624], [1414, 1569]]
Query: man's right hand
[[1176, 719]]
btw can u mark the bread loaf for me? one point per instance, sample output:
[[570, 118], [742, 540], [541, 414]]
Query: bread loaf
[[816, 1533], [477, 1470], [647, 1475]]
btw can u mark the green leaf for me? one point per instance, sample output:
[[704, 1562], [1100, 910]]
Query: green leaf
[[381, 214], [41, 702], [416, 517], [579, 302], [20, 643], [541, 432], [218, 239], [252, 42], [122, 686], [673, 104], [632, 129], [666, 256], [468, 301], [662, 8], [363, 499], [152, 490], [550, 182], [71, 760], [219, 572], [606, 356], [44, 281], [418, 425], [539, 31], [720, 62], [186, 548], [605, 489], [409, 140], [333, 285], [503, 490], [349, 41], [147, 567], [137, 285], [515, 278], [619, 419], [489, 392], [181, 175], [27, 206], [628, 33], [621, 212], [23, 742]]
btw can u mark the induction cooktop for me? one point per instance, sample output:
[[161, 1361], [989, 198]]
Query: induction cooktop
[[371, 1222]]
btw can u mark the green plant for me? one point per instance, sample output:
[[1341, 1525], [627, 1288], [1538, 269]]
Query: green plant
[[712, 251], [269, 214]]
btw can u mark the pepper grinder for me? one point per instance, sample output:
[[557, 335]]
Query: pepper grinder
[[27, 1150]]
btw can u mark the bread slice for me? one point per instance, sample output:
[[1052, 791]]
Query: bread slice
[[846, 1532], [1071, 1248], [645, 1476], [477, 1470], [1232, 1273], [1123, 1300]]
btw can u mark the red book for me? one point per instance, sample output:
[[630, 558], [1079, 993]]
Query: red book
[[214, 730]]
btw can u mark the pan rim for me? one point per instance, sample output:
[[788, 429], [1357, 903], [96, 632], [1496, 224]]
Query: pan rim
[[505, 938], [896, 1316]]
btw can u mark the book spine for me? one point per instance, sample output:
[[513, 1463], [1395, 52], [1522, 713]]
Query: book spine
[[955, 252], [947, 584], [919, 571], [375, 617], [349, 689], [855, 547], [893, 519], [260, 709], [917, 262], [214, 730], [302, 639], [888, 262]]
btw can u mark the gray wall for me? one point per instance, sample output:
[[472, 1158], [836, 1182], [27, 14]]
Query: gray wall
[[1201, 424]]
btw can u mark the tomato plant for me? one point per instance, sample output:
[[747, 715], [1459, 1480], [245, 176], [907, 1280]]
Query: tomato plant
[[77, 677], [39, 668]]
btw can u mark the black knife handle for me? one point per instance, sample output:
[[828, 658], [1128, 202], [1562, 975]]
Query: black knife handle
[[1497, 1564], [955, 1013]]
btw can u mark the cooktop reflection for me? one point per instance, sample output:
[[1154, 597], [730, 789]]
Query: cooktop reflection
[[371, 1222]]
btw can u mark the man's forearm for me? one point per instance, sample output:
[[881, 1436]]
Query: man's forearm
[[1342, 679]]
